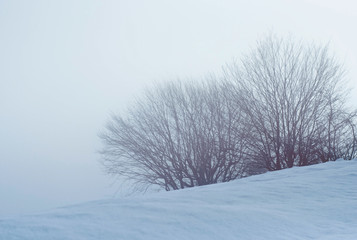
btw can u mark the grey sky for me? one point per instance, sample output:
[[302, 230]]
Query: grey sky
[[65, 65]]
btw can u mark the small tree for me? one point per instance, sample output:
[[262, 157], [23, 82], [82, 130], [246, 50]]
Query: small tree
[[178, 135], [292, 99], [338, 138]]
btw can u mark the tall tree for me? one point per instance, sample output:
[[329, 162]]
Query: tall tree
[[287, 91]]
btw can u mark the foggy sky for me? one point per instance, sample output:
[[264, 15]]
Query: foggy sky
[[66, 65]]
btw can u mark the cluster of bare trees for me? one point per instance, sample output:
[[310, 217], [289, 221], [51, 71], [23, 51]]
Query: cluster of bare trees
[[282, 106]]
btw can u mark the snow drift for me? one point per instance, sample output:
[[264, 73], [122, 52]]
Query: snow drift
[[315, 202]]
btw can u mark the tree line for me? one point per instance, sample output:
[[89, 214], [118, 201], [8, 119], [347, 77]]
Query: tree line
[[282, 105]]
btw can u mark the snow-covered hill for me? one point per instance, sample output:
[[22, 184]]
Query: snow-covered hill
[[315, 202]]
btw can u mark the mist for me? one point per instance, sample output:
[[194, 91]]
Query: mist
[[65, 66]]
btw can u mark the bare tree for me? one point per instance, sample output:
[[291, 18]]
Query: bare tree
[[287, 92], [338, 138], [178, 135]]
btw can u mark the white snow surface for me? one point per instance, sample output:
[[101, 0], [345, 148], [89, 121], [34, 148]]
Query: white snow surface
[[314, 202]]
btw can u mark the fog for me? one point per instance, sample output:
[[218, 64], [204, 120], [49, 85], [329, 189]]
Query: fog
[[66, 65]]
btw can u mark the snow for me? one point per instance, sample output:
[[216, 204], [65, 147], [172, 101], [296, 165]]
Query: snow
[[314, 202]]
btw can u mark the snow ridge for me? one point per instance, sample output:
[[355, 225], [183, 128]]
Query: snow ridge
[[314, 202]]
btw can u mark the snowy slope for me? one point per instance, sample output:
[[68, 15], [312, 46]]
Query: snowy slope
[[315, 202]]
